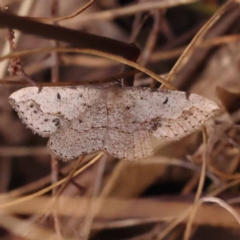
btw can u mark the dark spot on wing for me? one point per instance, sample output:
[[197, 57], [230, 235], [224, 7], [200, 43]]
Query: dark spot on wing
[[58, 96], [80, 95], [80, 121], [155, 126], [56, 121], [35, 111], [127, 107], [31, 105], [45, 120], [165, 101]]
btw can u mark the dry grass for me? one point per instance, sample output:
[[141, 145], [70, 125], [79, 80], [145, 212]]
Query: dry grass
[[99, 197]]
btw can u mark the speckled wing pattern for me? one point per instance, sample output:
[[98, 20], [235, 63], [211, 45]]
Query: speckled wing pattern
[[81, 120]]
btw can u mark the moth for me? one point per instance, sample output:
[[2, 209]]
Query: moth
[[84, 119]]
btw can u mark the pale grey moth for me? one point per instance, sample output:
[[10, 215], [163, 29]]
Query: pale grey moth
[[85, 119]]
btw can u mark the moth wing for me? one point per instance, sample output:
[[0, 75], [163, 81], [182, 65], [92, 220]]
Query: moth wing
[[44, 110], [165, 114], [128, 146], [68, 144]]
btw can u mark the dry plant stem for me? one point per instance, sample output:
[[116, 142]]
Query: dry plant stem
[[23, 151], [88, 61], [54, 161], [91, 52], [173, 224], [137, 25], [32, 186], [70, 176], [191, 184], [15, 67], [49, 188], [57, 33], [152, 38], [58, 19], [187, 232], [24, 9], [234, 200], [55, 79], [99, 63], [8, 150], [112, 179], [179, 163], [21, 228], [222, 204], [28, 79], [223, 188], [219, 190], [114, 209], [197, 39], [54, 173], [225, 176], [219, 41], [127, 81], [132, 9], [56, 195], [93, 207]]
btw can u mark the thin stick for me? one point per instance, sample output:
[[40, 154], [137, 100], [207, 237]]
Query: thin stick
[[222, 204], [93, 207], [187, 232], [196, 40], [24, 9], [91, 52], [70, 176], [71, 36], [68, 83], [132, 9], [58, 19], [54, 160], [49, 188]]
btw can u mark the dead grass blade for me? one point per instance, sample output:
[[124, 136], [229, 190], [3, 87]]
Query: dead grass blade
[[91, 52]]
